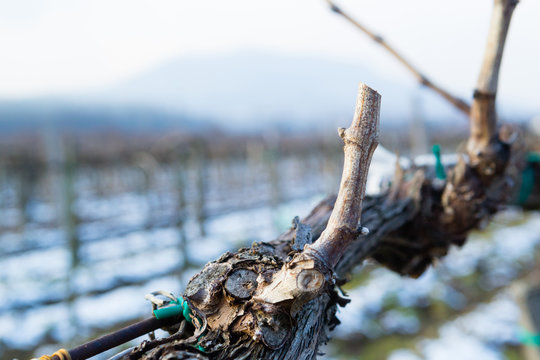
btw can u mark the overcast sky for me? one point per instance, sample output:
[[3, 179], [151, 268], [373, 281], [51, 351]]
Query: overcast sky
[[60, 46]]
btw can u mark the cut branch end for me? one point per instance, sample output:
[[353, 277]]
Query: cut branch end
[[360, 139], [310, 271]]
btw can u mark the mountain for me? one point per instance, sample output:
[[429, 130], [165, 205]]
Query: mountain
[[252, 89], [36, 115], [245, 90]]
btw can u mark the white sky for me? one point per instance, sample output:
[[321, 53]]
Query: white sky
[[59, 46]]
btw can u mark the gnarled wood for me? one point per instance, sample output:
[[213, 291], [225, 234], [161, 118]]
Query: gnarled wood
[[317, 317]]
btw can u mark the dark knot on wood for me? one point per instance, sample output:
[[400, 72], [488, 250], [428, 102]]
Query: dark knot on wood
[[482, 95]]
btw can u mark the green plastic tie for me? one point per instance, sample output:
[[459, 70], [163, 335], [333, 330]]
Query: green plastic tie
[[529, 338], [527, 178], [180, 307], [198, 346], [439, 168], [186, 311], [533, 156], [527, 184]]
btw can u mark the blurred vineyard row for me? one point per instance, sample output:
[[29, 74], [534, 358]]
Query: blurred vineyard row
[[85, 233], [88, 226]]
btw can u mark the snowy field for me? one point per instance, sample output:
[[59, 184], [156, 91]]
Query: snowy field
[[131, 242]]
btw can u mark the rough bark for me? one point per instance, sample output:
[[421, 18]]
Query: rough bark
[[312, 323]]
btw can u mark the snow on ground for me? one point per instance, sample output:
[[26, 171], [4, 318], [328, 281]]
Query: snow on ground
[[504, 251], [132, 255], [123, 242]]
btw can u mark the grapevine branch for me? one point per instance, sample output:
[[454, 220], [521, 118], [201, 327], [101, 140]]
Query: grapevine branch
[[307, 274], [484, 146], [458, 103], [277, 301]]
